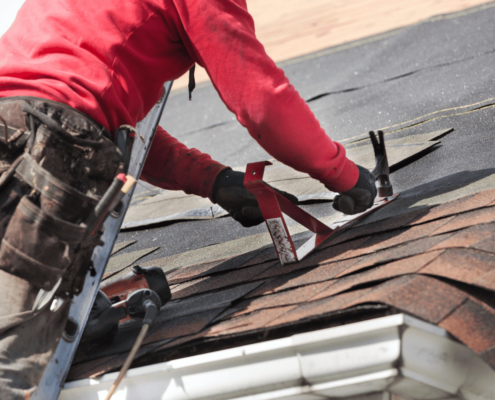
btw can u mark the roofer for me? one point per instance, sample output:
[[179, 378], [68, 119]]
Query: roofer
[[72, 72]]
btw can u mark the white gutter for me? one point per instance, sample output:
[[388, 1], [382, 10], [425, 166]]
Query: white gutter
[[396, 354]]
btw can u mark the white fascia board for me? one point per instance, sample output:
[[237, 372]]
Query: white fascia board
[[397, 353], [363, 384], [434, 360], [338, 359], [345, 331]]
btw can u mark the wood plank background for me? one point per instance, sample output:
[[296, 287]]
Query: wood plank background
[[292, 28]]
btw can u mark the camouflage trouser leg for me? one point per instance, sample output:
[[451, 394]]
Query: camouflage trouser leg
[[45, 251], [28, 338]]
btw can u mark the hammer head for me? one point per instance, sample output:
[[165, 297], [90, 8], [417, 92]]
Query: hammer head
[[381, 170]]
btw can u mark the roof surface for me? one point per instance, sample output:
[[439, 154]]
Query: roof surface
[[430, 253]]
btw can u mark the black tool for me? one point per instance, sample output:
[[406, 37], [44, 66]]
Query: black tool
[[101, 210], [117, 204], [138, 278], [123, 299], [124, 139], [143, 303], [381, 170]]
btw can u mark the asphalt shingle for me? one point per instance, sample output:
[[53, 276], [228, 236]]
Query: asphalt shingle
[[473, 323]]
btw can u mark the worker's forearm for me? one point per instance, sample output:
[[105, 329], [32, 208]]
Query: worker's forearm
[[220, 35], [288, 130], [171, 165]]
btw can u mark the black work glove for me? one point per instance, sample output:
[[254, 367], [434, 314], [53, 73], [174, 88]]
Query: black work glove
[[360, 197], [230, 194]]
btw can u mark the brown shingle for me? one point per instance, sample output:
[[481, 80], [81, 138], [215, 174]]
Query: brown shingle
[[467, 237], [210, 268], [318, 274], [422, 296], [262, 257], [89, 368], [473, 323], [391, 223], [267, 287], [204, 302], [488, 244], [320, 307], [221, 281], [461, 205], [383, 225], [289, 297], [182, 326], [394, 238], [412, 233], [179, 341], [464, 265], [489, 356], [332, 253], [195, 271], [406, 218], [370, 245], [385, 262], [318, 258], [182, 287], [98, 367], [250, 322], [233, 312], [394, 269], [396, 253], [470, 218], [486, 281]]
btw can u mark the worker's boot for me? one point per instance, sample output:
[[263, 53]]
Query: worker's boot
[[55, 164]]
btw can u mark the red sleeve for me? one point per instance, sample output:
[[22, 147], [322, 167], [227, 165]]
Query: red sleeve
[[220, 36], [171, 165]]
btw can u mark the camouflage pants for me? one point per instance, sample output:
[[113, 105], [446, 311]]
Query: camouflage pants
[[53, 171]]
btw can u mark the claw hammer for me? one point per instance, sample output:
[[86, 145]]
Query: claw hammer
[[381, 170]]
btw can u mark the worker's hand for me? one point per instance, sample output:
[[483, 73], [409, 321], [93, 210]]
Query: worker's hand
[[230, 194], [360, 197]]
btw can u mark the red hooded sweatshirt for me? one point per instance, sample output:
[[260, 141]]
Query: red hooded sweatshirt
[[109, 59]]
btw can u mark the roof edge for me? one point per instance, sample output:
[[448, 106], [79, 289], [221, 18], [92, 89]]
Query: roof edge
[[397, 354]]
